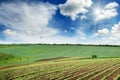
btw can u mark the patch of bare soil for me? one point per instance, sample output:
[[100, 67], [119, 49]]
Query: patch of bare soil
[[50, 59], [114, 75], [99, 77]]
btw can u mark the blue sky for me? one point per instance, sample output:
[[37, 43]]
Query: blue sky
[[60, 21]]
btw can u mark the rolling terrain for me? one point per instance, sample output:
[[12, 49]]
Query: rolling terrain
[[59, 62], [37, 52]]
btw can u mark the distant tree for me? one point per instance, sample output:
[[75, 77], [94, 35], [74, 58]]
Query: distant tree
[[94, 56]]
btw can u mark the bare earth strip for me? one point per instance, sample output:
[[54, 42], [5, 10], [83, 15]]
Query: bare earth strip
[[98, 71], [105, 73], [68, 73], [113, 75], [89, 69]]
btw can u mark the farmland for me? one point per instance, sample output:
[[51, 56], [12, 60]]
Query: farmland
[[59, 62], [69, 68]]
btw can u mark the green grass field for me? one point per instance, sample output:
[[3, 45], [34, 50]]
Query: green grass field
[[49, 51], [31, 53]]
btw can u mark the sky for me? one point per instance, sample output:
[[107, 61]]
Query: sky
[[60, 21]]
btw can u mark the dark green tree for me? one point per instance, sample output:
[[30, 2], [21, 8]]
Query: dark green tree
[[94, 56]]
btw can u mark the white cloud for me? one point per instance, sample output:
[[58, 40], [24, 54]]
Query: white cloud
[[5, 42], [51, 40], [65, 31], [72, 28], [106, 36], [80, 34], [74, 7], [111, 5], [83, 17], [9, 32], [27, 21], [109, 11], [115, 32], [103, 32]]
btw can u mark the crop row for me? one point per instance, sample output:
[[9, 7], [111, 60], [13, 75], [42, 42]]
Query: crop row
[[91, 72], [42, 69], [95, 69], [62, 72]]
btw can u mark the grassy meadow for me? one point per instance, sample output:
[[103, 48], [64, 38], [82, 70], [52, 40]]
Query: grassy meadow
[[50, 51]]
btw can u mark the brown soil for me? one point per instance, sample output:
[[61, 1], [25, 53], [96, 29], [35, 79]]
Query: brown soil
[[114, 75], [18, 65], [78, 72], [99, 71], [99, 77], [68, 73], [50, 59], [57, 72], [85, 73]]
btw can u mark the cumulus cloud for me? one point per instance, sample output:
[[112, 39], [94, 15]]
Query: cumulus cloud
[[10, 33], [83, 17], [103, 32], [109, 36], [115, 32], [109, 11], [80, 34], [74, 7], [28, 20], [5, 42], [51, 40], [72, 28]]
